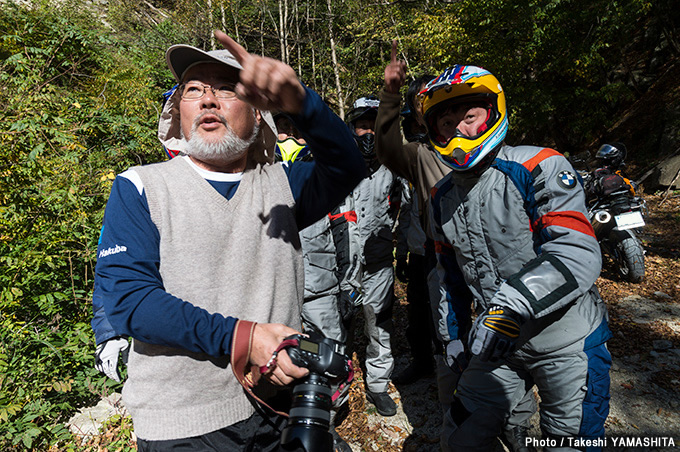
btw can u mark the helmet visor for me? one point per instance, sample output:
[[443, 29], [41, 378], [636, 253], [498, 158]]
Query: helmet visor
[[607, 151], [465, 117]]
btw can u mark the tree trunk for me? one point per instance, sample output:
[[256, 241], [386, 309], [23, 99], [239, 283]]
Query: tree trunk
[[336, 69], [224, 19], [282, 26], [285, 31], [298, 39], [262, 34], [210, 26], [308, 20], [223, 16]]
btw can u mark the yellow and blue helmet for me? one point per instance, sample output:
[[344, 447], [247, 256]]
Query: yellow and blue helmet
[[465, 84]]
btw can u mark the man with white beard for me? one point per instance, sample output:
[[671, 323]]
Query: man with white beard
[[228, 147], [199, 258]]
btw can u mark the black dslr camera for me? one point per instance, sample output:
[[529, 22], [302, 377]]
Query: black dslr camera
[[309, 421]]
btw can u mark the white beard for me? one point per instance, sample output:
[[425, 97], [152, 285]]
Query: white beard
[[231, 147]]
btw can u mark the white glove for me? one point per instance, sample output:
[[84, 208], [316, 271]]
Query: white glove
[[107, 354], [455, 356]]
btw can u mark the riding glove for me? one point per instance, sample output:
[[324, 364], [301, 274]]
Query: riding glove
[[495, 333]]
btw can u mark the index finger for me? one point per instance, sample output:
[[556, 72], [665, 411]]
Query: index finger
[[394, 51], [232, 46]]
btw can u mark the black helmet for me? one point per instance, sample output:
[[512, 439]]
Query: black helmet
[[364, 107], [612, 155], [413, 130]]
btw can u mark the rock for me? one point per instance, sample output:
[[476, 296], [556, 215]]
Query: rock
[[664, 173], [674, 403], [631, 298], [87, 421], [662, 344], [662, 295], [633, 358]]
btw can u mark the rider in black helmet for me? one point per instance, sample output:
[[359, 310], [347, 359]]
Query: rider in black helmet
[[361, 120]]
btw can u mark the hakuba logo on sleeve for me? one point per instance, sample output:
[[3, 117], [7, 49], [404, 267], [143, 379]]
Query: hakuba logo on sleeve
[[112, 250]]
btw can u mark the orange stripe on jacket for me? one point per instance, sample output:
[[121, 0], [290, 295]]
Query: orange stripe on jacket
[[568, 219], [443, 248], [350, 216], [538, 158]]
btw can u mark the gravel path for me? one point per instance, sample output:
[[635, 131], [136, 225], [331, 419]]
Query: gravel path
[[645, 392]]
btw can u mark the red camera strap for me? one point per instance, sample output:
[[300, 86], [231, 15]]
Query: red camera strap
[[342, 386], [246, 374], [249, 375], [271, 364]]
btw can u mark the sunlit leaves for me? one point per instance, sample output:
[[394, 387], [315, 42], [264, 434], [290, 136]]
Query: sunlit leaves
[[71, 104]]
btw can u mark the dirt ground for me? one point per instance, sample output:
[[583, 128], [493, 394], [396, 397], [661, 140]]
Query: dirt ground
[[645, 376]]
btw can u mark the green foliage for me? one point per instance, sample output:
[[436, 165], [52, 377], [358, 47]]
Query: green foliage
[[118, 435], [559, 61], [75, 110], [553, 59]]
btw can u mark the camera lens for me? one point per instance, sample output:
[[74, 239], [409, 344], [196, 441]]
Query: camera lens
[[309, 422], [311, 404], [310, 413]]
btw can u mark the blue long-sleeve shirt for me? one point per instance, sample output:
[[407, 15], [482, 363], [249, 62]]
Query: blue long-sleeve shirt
[[316, 186]]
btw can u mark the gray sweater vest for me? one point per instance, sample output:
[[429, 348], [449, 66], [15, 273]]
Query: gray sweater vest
[[239, 257]]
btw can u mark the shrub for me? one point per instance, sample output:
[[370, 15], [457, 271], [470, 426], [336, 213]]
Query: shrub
[[75, 109]]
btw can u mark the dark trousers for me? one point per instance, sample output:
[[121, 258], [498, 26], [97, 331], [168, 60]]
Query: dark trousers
[[420, 332], [258, 433]]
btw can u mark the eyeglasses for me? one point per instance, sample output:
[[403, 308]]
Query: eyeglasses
[[195, 90]]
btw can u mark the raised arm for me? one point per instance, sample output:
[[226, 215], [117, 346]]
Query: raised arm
[[389, 146], [266, 83], [269, 84]]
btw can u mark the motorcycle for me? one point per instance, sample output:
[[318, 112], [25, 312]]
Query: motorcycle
[[616, 212]]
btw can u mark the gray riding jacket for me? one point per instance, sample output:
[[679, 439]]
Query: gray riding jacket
[[376, 200], [518, 235], [410, 234], [331, 253]]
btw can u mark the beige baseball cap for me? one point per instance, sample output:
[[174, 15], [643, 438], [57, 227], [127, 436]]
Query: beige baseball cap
[[181, 58]]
